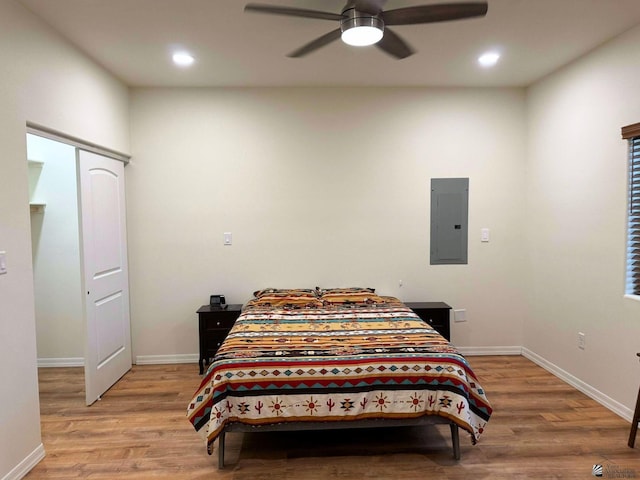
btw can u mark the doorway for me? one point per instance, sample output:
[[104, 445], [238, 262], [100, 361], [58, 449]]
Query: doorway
[[79, 250], [55, 244]]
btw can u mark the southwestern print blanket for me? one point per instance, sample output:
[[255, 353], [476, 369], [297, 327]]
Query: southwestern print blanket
[[335, 362]]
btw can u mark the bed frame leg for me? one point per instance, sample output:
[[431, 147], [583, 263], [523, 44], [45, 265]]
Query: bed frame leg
[[221, 451], [455, 440]]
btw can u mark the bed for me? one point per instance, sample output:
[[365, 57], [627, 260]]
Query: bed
[[334, 358]]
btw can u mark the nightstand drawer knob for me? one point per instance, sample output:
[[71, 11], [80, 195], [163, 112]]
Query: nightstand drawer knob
[[218, 324]]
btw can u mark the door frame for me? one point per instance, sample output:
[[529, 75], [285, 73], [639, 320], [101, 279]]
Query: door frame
[[78, 144], [61, 137]]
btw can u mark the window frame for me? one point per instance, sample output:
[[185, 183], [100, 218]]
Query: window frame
[[631, 133]]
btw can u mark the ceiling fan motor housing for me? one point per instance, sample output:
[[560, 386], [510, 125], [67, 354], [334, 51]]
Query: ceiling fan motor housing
[[352, 18]]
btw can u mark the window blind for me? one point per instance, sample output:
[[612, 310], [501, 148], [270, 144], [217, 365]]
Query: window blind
[[633, 235]]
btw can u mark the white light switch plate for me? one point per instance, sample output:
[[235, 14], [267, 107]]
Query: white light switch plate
[[228, 238], [484, 235], [3, 263]]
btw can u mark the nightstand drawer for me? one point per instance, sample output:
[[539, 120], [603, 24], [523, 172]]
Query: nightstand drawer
[[435, 318], [436, 314], [214, 339], [214, 322]]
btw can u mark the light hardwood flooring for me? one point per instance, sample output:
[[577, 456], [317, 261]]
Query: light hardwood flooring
[[541, 428]]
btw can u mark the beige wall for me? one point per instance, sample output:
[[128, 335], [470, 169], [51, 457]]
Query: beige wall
[[576, 211], [44, 81], [327, 187]]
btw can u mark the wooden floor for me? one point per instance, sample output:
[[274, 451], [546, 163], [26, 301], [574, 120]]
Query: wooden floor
[[541, 428]]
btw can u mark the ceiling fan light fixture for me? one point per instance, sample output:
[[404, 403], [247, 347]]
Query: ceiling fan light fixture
[[361, 29], [362, 36]]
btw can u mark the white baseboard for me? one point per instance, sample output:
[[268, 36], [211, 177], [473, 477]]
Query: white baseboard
[[26, 465], [604, 400], [61, 362], [167, 359], [470, 351]]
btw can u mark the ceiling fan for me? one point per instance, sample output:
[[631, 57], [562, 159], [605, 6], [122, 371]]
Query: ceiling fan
[[364, 22]]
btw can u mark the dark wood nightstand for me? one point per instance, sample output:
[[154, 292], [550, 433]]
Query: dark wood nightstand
[[435, 314], [215, 324]]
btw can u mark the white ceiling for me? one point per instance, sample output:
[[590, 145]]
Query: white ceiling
[[134, 39]]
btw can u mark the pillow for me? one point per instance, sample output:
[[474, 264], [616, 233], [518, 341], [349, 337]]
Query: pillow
[[345, 290], [284, 301], [337, 298], [333, 296], [287, 292]]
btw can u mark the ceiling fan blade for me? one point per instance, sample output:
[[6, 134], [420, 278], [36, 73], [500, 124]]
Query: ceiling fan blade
[[294, 12], [373, 7], [434, 13], [317, 43], [395, 46]]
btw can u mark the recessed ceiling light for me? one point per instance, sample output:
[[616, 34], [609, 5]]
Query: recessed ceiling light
[[183, 59], [488, 59]]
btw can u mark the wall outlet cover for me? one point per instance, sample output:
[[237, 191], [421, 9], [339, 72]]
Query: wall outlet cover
[[460, 315]]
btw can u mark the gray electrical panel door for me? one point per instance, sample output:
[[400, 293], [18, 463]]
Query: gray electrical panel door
[[449, 220]]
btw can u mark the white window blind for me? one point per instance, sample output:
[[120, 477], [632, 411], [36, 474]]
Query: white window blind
[[633, 232]]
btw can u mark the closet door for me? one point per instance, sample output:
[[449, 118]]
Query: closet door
[[105, 272]]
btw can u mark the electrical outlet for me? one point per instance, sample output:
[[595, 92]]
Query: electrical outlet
[[460, 315], [581, 340]]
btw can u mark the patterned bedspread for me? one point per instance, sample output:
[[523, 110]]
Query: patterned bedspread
[[335, 362]]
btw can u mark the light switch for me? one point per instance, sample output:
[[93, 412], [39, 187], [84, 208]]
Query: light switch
[[484, 235], [3, 263], [228, 238]]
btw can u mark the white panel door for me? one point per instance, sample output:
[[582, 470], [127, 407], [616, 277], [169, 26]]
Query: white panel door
[[106, 275]]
